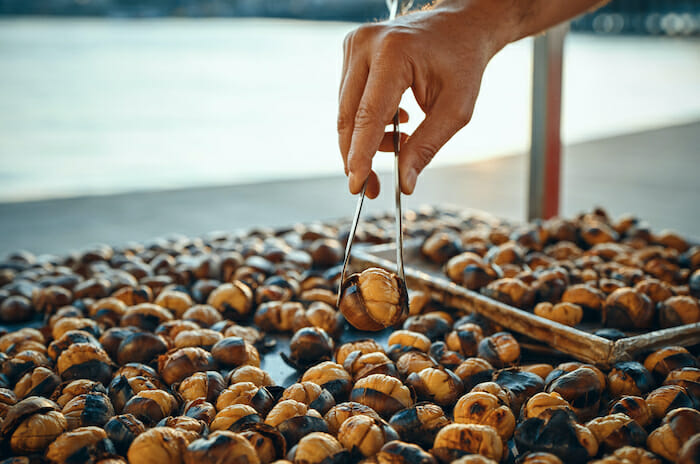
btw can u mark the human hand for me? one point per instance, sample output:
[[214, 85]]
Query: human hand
[[441, 55]]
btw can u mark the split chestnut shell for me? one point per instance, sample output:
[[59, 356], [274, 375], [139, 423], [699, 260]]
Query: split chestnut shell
[[374, 299]]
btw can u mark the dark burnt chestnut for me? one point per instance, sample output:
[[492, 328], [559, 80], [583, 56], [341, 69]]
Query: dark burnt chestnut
[[178, 364], [39, 382], [141, 347], [431, 325], [84, 361], [615, 431], [145, 316], [582, 389], [690, 452], [634, 407], [150, 406], [110, 339], [436, 384], [630, 378], [444, 356], [235, 418], [200, 410], [465, 339], [122, 430], [677, 428], [268, 442], [16, 308], [326, 253], [485, 409], [383, 393], [626, 308], [319, 448], [309, 346], [31, 425], [558, 434], [93, 408], [374, 299], [234, 352], [500, 349], [82, 445], [420, 423], [246, 393], [456, 440], [441, 246], [362, 365]]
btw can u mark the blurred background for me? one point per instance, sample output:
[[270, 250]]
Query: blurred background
[[126, 119]]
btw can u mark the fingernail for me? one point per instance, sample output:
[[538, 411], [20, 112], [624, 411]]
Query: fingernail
[[411, 177], [352, 181]]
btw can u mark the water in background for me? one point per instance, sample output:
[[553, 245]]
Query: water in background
[[94, 106]]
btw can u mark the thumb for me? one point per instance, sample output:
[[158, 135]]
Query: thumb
[[439, 125]]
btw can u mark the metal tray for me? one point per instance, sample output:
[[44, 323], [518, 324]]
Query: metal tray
[[576, 342]]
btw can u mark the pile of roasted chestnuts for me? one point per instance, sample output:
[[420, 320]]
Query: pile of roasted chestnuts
[[158, 353]]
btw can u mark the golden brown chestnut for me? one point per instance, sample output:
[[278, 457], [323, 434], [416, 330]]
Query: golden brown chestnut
[[39, 382], [250, 374], [500, 349], [84, 361], [175, 301], [436, 384], [665, 360], [277, 316], [542, 403], [318, 448], [374, 299], [677, 428], [151, 406], [403, 341], [667, 398], [635, 455], [538, 458], [634, 407], [268, 442], [383, 393], [587, 297], [510, 291], [362, 365], [414, 361], [364, 346], [200, 410], [473, 371], [655, 289], [456, 440], [582, 389], [66, 324], [441, 246], [678, 310], [32, 424], [122, 430], [420, 423], [221, 447], [399, 452], [294, 420], [233, 300], [246, 393], [7, 399], [465, 339], [310, 394], [433, 325], [309, 346], [158, 445], [84, 444], [235, 418], [690, 452], [192, 427], [629, 378], [626, 308], [58, 346], [145, 316], [617, 430], [332, 377], [203, 315], [132, 296], [207, 385], [341, 412], [569, 314], [203, 338], [178, 364], [485, 409], [321, 315], [455, 266], [364, 436]]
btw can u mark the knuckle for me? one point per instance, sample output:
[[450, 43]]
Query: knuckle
[[344, 123], [365, 117], [424, 154]]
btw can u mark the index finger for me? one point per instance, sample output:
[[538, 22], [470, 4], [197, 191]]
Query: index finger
[[380, 100]]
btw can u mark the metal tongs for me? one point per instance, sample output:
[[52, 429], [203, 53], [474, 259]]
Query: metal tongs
[[393, 6]]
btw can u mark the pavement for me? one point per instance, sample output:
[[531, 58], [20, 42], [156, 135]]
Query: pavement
[[653, 174]]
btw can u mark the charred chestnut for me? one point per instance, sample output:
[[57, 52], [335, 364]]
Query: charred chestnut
[[456, 440], [500, 349], [634, 407], [473, 371], [246, 393], [122, 430], [661, 362], [626, 308], [678, 310], [441, 246], [374, 299], [309, 346], [582, 389], [207, 385], [420, 423], [667, 398], [82, 445], [319, 448], [145, 316], [439, 385], [677, 428], [431, 325], [268, 442], [84, 361], [39, 382], [332, 377], [141, 347], [399, 452], [31, 425], [615, 431], [156, 445], [362, 365], [485, 409], [150, 406], [178, 364], [310, 394], [630, 378], [383, 393]]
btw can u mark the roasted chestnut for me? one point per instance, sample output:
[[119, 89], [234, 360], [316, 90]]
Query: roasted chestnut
[[235, 418], [203, 338], [332, 377], [39, 382], [500, 349], [399, 452], [510, 291], [667, 398], [559, 434], [634, 407], [364, 346], [93, 408], [630, 378], [615, 431], [582, 389], [465, 339], [630, 454], [32, 424], [145, 316], [178, 364], [441, 246], [473, 371], [58, 346], [150, 406], [200, 410], [340, 412], [590, 299], [667, 359], [233, 300], [626, 308], [432, 325], [538, 458], [294, 420], [321, 315], [207, 385], [82, 445], [383, 393], [414, 361], [84, 361], [141, 347], [564, 313], [374, 299], [193, 428], [250, 374], [318, 448], [456, 440], [158, 445], [246, 393], [678, 310], [176, 301], [309, 346], [677, 428], [485, 409], [436, 384], [122, 430], [310, 394], [268, 442], [690, 452], [403, 341], [277, 316], [361, 365], [541, 404], [420, 423], [364, 436]]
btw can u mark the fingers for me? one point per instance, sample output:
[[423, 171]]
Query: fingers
[[378, 104], [387, 143], [350, 94], [443, 121], [372, 186]]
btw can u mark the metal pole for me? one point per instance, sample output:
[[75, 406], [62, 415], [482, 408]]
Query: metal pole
[[545, 148]]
